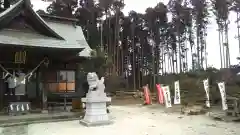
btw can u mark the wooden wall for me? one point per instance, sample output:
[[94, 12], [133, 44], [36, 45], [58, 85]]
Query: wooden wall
[[54, 82]]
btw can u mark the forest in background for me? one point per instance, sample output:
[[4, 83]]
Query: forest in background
[[145, 48]]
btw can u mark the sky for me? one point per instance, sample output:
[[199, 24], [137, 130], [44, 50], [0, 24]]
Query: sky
[[212, 37]]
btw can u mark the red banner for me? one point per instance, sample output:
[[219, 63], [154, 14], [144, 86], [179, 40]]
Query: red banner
[[160, 94], [147, 95]]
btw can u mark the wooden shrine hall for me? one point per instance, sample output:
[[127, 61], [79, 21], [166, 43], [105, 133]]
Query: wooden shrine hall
[[38, 57]]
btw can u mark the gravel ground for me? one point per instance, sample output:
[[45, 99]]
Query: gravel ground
[[134, 120]]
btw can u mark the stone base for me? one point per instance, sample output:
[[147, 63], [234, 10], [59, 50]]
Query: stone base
[[92, 124], [44, 111]]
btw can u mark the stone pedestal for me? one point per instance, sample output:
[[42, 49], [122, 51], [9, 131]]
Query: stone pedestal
[[44, 111], [96, 109]]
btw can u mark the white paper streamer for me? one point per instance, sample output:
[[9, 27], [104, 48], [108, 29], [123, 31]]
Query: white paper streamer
[[11, 107], [177, 97], [17, 107], [167, 96], [28, 107], [206, 88], [22, 108], [221, 87]]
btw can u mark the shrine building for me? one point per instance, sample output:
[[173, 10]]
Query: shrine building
[[46, 51]]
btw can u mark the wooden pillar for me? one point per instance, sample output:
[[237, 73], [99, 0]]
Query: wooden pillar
[[44, 88], [44, 101], [2, 87], [66, 90], [77, 104], [38, 96], [79, 80]]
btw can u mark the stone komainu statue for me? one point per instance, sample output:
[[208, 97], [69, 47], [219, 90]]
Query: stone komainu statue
[[94, 83], [96, 86]]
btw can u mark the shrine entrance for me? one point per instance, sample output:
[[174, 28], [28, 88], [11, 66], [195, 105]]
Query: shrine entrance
[[20, 84]]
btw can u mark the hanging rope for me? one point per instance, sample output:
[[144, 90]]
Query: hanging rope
[[5, 70], [30, 73], [36, 67]]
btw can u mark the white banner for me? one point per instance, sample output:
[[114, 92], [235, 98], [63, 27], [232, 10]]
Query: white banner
[[206, 88], [167, 96], [221, 87], [177, 97]]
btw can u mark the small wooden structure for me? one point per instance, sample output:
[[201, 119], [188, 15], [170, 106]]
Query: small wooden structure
[[47, 49]]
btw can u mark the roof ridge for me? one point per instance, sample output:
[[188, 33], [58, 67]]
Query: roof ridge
[[10, 8], [13, 11]]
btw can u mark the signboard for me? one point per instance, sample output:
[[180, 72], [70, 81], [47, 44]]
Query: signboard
[[206, 88], [20, 57], [221, 86], [167, 96], [177, 97]]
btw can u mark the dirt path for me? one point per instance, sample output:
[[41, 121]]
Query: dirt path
[[138, 120]]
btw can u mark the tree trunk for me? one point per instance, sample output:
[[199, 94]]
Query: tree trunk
[[116, 41], [220, 45], [223, 50], [176, 63], [172, 62], [198, 49], [179, 51], [227, 46], [205, 48], [201, 49], [238, 30], [133, 58], [193, 67]]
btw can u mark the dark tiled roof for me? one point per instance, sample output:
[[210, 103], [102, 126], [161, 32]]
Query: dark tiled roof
[[62, 35], [24, 7]]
